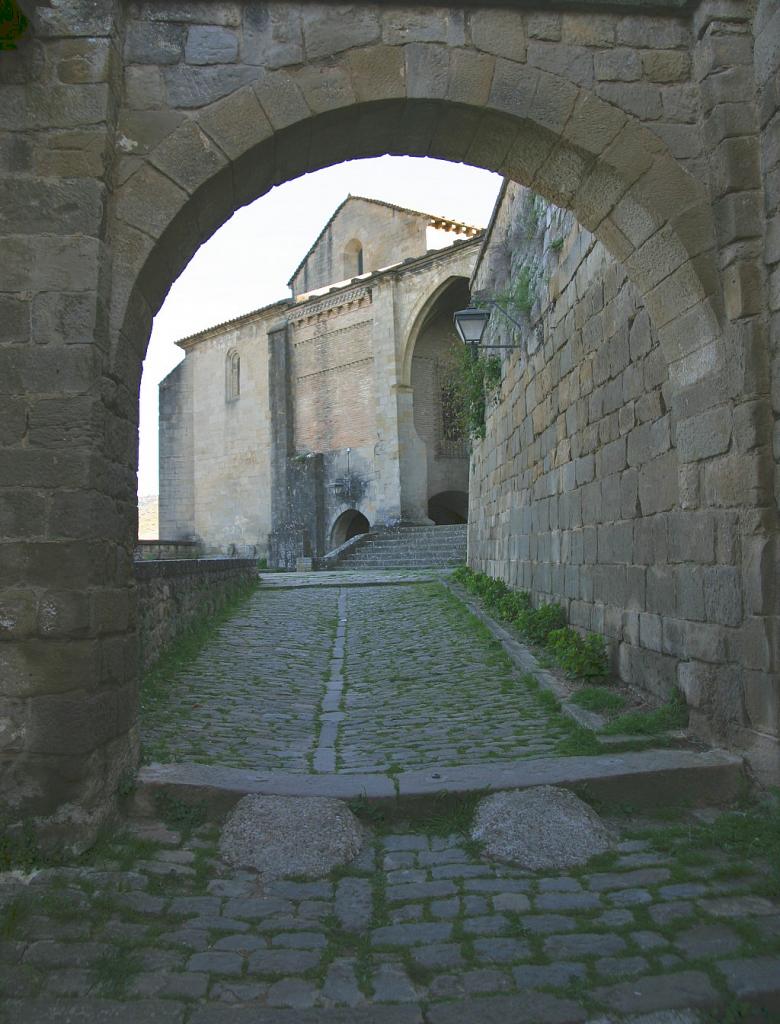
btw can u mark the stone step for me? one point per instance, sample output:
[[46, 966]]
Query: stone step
[[647, 778], [415, 556], [401, 557], [408, 547], [378, 556]]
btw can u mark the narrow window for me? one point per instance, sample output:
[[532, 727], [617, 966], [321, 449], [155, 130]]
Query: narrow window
[[353, 259], [232, 376]]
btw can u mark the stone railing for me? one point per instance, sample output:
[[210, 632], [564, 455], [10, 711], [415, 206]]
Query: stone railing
[[173, 593]]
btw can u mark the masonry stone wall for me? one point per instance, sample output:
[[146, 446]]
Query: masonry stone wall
[[176, 437], [586, 490], [214, 446], [334, 395], [174, 594], [132, 130], [154, 550]]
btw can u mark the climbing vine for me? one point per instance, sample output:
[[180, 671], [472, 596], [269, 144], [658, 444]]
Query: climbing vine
[[475, 380], [13, 24]]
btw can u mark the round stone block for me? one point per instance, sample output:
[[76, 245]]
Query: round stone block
[[281, 836], [538, 828]]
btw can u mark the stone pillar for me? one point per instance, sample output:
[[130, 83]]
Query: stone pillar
[[68, 653], [297, 505], [763, 570], [387, 455], [283, 541], [282, 424], [413, 459], [733, 475]]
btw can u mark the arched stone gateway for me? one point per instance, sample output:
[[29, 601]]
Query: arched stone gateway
[[132, 130]]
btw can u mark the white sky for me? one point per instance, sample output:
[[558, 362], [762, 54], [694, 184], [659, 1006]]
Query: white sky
[[246, 264]]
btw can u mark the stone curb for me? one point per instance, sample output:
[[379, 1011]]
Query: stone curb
[[644, 778]]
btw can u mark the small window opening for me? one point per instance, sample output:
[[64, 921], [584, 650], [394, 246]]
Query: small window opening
[[232, 376], [353, 259]]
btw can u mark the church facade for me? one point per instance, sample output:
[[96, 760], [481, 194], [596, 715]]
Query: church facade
[[286, 431]]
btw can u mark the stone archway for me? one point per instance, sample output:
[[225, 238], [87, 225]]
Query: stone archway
[[351, 523], [449, 508], [130, 152], [433, 353]]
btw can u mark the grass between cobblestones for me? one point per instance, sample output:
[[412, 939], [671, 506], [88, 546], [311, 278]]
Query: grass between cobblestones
[[682, 903], [398, 681], [426, 685], [156, 684]]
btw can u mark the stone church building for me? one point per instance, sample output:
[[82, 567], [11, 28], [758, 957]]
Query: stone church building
[[287, 431]]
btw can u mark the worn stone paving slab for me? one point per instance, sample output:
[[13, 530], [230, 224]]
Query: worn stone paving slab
[[351, 578], [646, 776]]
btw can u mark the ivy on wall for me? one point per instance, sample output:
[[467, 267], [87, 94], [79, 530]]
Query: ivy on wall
[[13, 24], [475, 380]]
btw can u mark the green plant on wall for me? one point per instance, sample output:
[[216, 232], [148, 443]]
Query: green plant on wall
[[474, 381], [524, 291], [13, 24]]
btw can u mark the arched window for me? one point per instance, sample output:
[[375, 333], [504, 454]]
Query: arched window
[[232, 376], [353, 259]]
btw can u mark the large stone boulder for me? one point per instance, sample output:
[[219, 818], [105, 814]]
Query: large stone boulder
[[283, 836], [543, 827]]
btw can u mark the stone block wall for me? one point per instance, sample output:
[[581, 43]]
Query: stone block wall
[[173, 594], [132, 130], [767, 74], [589, 489], [176, 450]]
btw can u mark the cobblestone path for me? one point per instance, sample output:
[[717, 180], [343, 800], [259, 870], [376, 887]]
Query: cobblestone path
[[426, 685], [251, 699], [402, 677], [418, 930]]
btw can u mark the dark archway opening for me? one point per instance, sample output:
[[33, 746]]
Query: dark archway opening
[[449, 508], [348, 525]]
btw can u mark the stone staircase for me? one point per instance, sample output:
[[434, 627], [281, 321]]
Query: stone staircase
[[408, 547]]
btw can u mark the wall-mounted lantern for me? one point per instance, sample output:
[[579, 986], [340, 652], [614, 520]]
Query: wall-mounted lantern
[[470, 324]]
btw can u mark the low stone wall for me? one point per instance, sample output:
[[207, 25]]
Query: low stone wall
[[172, 594], [154, 550]]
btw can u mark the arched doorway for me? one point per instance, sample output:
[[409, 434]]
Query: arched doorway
[[348, 525], [436, 356], [196, 143], [449, 508]]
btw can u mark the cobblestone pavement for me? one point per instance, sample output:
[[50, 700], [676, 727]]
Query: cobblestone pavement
[[402, 677], [154, 930], [426, 685], [251, 698]]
